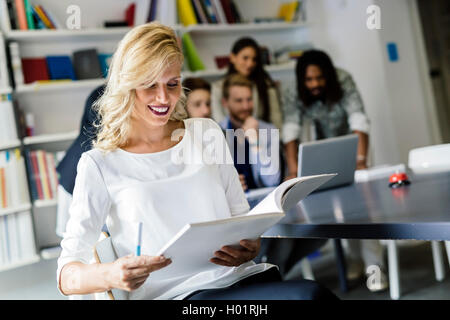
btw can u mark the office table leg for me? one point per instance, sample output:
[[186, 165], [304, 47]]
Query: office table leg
[[438, 260], [394, 281], [341, 264]]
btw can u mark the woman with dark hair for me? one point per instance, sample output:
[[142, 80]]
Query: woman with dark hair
[[246, 60]]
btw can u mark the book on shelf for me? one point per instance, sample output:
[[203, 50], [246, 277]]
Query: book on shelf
[[16, 63], [34, 69], [166, 12], [13, 183], [105, 62], [218, 11], [194, 61], [29, 13], [289, 12], [16, 238], [130, 13], [5, 22], [8, 128], [60, 67], [42, 175], [142, 8], [186, 12], [199, 11], [21, 14], [152, 10], [4, 76], [87, 64]]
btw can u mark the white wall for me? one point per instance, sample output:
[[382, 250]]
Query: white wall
[[392, 92]]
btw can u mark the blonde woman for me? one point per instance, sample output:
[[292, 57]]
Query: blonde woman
[[130, 176]]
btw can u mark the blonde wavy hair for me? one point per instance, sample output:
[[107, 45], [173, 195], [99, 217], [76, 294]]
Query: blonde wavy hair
[[140, 59]]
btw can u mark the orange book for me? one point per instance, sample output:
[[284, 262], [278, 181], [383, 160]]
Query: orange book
[[21, 15], [3, 198], [42, 173]]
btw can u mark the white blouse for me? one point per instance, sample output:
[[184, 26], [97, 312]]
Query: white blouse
[[163, 190]]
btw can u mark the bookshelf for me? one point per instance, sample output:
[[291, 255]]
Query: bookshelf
[[58, 106]]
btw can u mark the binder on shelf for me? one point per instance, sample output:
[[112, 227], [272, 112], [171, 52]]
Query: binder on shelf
[[86, 64], [8, 128], [186, 12], [34, 69], [60, 67], [226, 5]]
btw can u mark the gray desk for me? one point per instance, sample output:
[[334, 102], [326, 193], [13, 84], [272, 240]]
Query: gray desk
[[372, 210]]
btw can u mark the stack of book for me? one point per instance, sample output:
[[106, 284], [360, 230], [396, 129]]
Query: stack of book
[[84, 64], [8, 129], [16, 238], [42, 174], [208, 11], [13, 181], [25, 16]]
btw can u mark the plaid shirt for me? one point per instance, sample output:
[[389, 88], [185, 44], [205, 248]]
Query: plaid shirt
[[340, 118]]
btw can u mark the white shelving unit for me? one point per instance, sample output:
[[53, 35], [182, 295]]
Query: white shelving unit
[[22, 207], [50, 138], [20, 263], [58, 106], [10, 144]]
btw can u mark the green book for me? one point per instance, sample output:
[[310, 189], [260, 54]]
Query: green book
[[194, 61], [29, 14]]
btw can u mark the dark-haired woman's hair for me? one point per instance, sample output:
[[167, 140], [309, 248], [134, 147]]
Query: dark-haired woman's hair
[[333, 89], [259, 76], [191, 84]]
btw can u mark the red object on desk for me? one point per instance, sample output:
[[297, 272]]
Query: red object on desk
[[398, 179]]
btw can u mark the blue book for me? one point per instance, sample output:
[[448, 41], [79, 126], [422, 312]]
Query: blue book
[[105, 61], [60, 67], [31, 179]]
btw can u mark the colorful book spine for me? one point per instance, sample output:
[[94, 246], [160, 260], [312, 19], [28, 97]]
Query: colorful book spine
[[21, 15], [186, 12], [36, 175], [29, 14], [3, 196], [31, 179], [40, 13], [43, 175], [46, 174]]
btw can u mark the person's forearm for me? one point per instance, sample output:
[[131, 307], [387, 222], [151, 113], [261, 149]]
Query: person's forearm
[[291, 152], [80, 278], [363, 146]]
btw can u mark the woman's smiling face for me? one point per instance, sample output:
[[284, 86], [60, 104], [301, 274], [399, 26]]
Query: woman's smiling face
[[155, 104]]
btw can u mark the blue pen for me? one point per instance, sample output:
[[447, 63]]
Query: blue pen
[[138, 247]]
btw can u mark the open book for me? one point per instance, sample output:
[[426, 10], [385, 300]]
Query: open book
[[192, 247]]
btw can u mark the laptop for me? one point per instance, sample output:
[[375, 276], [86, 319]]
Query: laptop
[[333, 155]]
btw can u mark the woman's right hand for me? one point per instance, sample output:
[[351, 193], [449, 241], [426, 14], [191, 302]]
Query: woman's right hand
[[130, 272]]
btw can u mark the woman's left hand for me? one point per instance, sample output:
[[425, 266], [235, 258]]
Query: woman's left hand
[[232, 257]]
